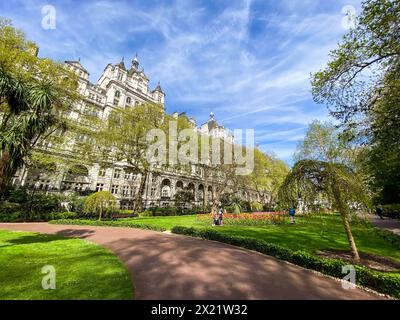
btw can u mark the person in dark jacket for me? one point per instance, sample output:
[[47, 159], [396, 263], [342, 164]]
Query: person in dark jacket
[[292, 213], [379, 212]]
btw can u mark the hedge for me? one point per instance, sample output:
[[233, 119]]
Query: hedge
[[114, 223], [383, 283]]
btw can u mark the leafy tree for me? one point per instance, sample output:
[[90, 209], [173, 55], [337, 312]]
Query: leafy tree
[[335, 181], [35, 95], [183, 197], [121, 138], [361, 88], [381, 158], [101, 202], [267, 176], [325, 142]]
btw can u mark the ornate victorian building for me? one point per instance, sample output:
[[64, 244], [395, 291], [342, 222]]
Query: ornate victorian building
[[123, 87]]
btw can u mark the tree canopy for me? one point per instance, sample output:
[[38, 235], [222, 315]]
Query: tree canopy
[[35, 95], [360, 86]]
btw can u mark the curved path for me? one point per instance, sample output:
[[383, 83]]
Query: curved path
[[168, 266]]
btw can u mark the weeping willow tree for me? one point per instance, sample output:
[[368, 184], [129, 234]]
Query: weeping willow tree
[[311, 179], [101, 203]]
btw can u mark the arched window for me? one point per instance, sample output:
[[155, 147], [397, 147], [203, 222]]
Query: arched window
[[117, 94], [179, 185], [166, 188], [129, 100]]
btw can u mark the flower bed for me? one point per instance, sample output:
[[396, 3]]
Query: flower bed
[[248, 219]]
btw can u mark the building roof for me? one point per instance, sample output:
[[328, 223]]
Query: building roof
[[76, 63], [122, 64], [158, 88]]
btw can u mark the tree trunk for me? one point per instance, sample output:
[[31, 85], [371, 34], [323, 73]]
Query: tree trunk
[[4, 176], [142, 187], [101, 212], [344, 215], [350, 238], [214, 207]]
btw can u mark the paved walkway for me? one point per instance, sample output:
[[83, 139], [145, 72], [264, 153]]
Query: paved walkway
[[387, 223], [168, 266]]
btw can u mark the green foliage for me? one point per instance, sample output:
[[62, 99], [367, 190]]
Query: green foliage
[[387, 284], [256, 206], [391, 211], [267, 176], [24, 205], [35, 95], [184, 197], [311, 179], [171, 211], [361, 87], [325, 142], [234, 208], [62, 215], [100, 203], [77, 203]]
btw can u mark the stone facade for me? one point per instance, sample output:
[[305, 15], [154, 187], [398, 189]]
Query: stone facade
[[121, 87]]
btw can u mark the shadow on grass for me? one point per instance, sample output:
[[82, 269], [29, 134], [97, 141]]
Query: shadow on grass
[[45, 238]]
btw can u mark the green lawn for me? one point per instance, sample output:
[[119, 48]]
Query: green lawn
[[309, 234], [83, 270]]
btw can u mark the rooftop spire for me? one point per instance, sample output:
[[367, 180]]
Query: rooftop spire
[[135, 62]]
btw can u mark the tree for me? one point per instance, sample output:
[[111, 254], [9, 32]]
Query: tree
[[325, 142], [100, 203], [360, 87], [267, 176], [121, 138], [183, 197], [335, 181], [35, 95]]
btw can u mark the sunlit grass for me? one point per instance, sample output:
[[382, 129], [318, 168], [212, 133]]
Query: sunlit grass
[[83, 270], [323, 232]]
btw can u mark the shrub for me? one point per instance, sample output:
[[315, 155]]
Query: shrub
[[234, 209], [163, 211], [77, 203], [256, 206], [391, 211], [381, 282], [63, 215], [100, 203], [11, 212], [146, 214]]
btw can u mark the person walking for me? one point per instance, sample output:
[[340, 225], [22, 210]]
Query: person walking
[[292, 213], [379, 212], [220, 216]]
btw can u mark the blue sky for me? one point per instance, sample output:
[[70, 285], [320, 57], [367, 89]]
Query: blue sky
[[247, 61]]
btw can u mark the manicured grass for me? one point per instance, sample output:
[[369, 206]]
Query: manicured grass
[[325, 233], [309, 234], [83, 270]]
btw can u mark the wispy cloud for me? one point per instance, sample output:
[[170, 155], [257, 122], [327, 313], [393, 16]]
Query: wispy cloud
[[247, 61]]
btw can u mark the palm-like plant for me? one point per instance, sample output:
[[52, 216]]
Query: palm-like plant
[[29, 114], [338, 183], [34, 95]]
